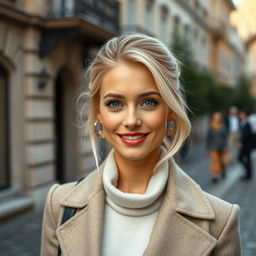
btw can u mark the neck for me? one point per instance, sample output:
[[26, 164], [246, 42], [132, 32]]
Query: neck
[[134, 175]]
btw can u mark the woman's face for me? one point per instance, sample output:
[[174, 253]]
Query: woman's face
[[217, 117], [132, 112]]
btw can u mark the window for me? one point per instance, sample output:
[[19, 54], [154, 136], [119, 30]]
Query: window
[[149, 15], [177, 24], [164, 21], [204, 51], [131, 12], [4, 176]]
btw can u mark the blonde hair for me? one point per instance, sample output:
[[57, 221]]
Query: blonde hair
[[165, 70]]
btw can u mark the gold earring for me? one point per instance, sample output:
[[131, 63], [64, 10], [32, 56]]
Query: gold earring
[[171, 129], [98, 129]]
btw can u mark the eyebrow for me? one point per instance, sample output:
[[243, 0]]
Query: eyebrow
[[114, 95]]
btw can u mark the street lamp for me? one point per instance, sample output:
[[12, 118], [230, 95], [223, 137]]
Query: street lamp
[[43, 78]]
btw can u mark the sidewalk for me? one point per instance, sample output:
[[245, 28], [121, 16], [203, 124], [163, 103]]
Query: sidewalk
[[232, 189], [21, 237], [243, 193]]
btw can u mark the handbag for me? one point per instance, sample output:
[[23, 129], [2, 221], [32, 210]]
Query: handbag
[[226, 157]]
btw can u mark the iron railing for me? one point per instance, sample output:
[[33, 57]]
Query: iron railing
[[104, 13]]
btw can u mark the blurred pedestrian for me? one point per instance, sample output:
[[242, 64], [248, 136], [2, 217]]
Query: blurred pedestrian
[[245, 144], [252, 122], [216, 144], [232, 123]]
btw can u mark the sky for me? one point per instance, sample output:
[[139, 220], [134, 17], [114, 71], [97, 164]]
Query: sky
[[236, 1]]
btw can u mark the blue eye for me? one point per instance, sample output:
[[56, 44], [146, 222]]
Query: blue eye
[[114, 104], [149, 103]]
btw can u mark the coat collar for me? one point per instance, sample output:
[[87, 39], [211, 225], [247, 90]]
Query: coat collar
[[184, 194], [183, 197]]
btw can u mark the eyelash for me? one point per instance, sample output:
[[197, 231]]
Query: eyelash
[[110, 102], [155, 103]]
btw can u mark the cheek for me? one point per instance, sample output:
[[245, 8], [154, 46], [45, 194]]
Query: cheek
[[108, 124], [158, 121], [109, 120]]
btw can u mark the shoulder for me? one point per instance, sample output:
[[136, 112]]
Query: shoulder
[[63, 195], [60, 191], [226, 214], [220, 206]]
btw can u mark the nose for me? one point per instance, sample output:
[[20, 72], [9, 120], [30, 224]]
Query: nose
[[132, 119]]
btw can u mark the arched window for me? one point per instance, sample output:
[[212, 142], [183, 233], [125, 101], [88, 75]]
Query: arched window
[[4, 167]]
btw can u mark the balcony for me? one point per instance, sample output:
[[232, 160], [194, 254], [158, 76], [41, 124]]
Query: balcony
[[103, 13], [219, 30], [60, 20], [98, 20]]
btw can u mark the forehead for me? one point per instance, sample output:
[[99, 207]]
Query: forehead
[[128, 78]]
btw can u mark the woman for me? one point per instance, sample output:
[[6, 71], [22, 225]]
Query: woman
[[216, 144], [138, 202]]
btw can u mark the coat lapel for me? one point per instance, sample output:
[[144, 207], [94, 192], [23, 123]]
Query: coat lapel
[[82, 234], [174, 233]]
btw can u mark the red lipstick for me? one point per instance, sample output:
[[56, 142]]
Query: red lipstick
[[133, 139]]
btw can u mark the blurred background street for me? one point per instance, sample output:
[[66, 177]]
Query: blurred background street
[[46, 48]]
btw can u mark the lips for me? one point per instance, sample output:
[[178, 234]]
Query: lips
[[133, 139]]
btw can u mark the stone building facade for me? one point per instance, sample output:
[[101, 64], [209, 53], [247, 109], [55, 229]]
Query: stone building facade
[[251, 63], [214, 43], [45, 47], [244, 19]]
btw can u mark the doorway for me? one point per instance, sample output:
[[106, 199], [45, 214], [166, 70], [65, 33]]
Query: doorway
[[66, 133], [4, 139]]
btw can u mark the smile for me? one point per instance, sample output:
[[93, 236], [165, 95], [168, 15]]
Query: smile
[[133, 139]]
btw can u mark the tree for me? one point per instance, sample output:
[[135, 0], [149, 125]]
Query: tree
[[202, 92], [196, 85]]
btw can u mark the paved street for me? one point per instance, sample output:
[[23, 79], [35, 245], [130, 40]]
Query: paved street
[[232, 189], [21, 237]]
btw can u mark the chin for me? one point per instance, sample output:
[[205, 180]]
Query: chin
[[134, 154]]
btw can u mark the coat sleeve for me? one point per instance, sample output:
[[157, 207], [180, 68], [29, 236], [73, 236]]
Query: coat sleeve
[[229, 242], [49, 242]]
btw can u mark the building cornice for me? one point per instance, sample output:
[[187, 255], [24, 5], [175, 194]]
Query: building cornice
[[250, 41], [22, 18], [230, 4], [19, 16], [55, 30]]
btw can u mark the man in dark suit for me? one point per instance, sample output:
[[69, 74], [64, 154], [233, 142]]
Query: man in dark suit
[[245, 144], [232, 123]]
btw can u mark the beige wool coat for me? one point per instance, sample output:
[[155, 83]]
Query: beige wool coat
[[190, 221]]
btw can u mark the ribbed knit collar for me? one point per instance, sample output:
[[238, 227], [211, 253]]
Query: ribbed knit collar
[[134, 204]]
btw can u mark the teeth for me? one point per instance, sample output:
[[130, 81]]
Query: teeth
[[132, 137]]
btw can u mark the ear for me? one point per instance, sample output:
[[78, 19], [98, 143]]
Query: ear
[[171, 115], [99, 116]]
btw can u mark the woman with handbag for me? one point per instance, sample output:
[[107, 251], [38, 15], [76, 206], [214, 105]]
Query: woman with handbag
[[216, 144], [138, 201]]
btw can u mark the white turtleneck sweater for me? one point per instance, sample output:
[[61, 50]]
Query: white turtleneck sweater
[[129, 218]]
